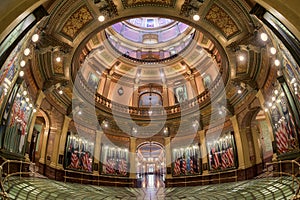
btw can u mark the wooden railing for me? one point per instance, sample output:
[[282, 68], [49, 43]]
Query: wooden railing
[[96, 179], [11, 168]]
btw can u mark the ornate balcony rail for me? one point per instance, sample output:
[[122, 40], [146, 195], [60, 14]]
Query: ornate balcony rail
[[186, 107]]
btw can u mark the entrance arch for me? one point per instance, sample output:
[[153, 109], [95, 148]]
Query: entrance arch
[[151, 164]]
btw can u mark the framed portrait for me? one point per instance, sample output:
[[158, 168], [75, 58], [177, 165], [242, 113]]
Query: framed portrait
[[180, 93], [93, 81], [206, 81]]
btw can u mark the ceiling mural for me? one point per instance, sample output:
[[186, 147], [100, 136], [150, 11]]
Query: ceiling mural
[[219, 18], [77, 21], [137, 3]]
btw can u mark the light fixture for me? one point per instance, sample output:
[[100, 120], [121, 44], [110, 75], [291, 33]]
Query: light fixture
[[277, 62], [25, 93], [101, 18], [35, 37], [270, 104], [239, 91], [58, 59], [264, 37], [273, 98], [21, 73], [196, 17], [60, 91], [276, 92], [34, 110], [79, 112], [22, 63], [282, 94], [27, 99], [273, 50], [30, 105], [266, 109], [26, 52], [220, 112], [27, 108], [241, 58]]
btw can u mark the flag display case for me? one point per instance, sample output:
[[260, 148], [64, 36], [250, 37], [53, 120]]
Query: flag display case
[[79, 153], [283, 123], [222, 154], [186, 160], [114, 160]]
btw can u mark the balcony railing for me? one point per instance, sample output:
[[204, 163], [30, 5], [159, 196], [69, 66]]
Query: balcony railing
[[186, 107]]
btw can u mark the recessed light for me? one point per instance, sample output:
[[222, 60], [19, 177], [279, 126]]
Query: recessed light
[[241, 58], [58, 59], [277, 62], [196, 17], [26, 51], [273, 50], [35, 37], [21, 73], [22, 63], [101, 18], [264, 37]]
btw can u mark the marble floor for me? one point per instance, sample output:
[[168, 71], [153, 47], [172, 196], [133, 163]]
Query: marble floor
[[153, 189]]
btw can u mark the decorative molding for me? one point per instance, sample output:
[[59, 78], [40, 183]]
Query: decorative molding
[[222, 21], [77, 21], [190, 7], [107, 8]]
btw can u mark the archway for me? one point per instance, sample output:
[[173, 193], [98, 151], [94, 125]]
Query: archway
[[151, 164]]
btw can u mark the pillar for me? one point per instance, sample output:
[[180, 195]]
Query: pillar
[[62, 140], [256, 137], [37, 104], [132, 172], [262, 102], [107, 86], [165, 95], [97, 150], [241, 144], [203, 150], [168, 157], [135, 96]]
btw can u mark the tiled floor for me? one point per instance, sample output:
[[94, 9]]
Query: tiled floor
[[42, 188]]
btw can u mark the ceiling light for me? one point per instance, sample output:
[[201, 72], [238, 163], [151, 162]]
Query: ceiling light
[[79, 112], [277, 62], [196, 17], [220, 112], [270, 104], [26, 51], [58, 59], [266, 109], [25, 93], [27, 99], [276, 92], [35, 37], [241, 58], [273, 98], [22, 63], [60, 91], [239, 91], [34, 110], [30, 105], [21, 73], [282, 94], [101, 18], [273, 50], [264, 37]]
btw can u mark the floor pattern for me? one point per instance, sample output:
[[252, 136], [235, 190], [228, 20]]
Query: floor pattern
[[42, 188]]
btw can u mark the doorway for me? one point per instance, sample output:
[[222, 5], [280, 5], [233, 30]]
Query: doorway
[[151, 167]]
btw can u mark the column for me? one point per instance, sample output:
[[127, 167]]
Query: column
[[257, 149], [132, 172], [168, 157], [44, 144], [165, 95], [135, 96], [203, 150], [62, 141], [262, 102], [97, 150], [37, 104], [241, 144], [55, 149], [107, 86]]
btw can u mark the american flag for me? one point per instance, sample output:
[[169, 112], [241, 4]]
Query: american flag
[[177, 167], [215, 157], [110, 166], [183, 167], [281, 139], [86, 164], [191, 165], [123, 167], [74, 161]]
